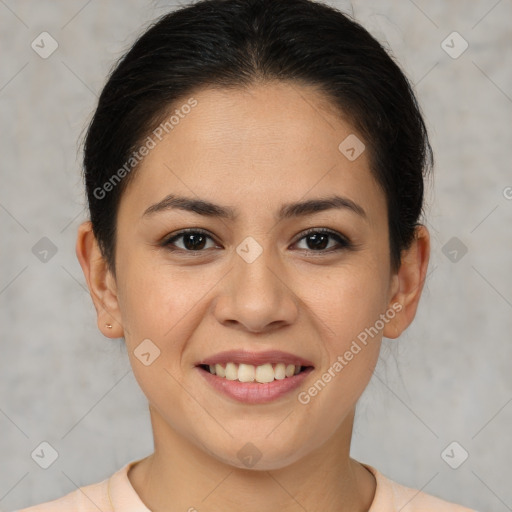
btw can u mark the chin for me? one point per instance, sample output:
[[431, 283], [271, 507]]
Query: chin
[[262, 456]]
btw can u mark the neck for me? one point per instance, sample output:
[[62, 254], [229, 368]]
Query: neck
[[181, 476]]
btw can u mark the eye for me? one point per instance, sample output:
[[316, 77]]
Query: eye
[[317, 240], [194, 240]]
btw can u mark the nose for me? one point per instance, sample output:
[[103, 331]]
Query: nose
[[257, 295]]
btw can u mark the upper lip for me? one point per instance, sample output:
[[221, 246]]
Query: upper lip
[[255, 358]]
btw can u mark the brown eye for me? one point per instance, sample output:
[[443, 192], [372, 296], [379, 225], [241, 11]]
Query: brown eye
[[317, 240], [192, 240]]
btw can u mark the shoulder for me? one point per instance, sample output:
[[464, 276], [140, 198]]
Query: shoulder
[[113, 493], [89, 498], [391, 496]]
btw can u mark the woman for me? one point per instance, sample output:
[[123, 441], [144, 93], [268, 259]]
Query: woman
[[254, 172]]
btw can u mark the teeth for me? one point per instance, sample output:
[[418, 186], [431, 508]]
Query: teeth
[[246, 372], [280, 371], [250, 373], [231, 371], [290, 370], [264, 373], [219, 370]]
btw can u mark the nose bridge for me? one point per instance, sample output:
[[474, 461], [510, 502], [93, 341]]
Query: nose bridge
[[253, 265], [256, 296]]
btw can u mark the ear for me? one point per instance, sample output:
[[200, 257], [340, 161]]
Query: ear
[[101, 283], [408, 283]]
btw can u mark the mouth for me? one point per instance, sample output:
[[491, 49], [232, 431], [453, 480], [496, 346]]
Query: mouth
[[254, 378], [262, 374], [262, 367]]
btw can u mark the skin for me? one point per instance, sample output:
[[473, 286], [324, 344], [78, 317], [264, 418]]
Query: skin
[[253, 150]]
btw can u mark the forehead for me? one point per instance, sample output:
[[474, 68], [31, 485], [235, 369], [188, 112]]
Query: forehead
[[277, 142]]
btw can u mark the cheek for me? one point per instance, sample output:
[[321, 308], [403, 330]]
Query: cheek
[[347, 310], [157, 304], [347, 300], [160, 301]]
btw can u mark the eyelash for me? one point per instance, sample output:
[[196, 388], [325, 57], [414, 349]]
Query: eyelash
[[343, 242]]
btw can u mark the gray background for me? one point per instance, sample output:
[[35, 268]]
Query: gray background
[[447, 379]]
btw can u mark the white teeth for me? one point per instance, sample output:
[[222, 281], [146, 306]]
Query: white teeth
[[249, 373], [290, 370], [280, 371], [231, 371], [264, 373], [246, 372]]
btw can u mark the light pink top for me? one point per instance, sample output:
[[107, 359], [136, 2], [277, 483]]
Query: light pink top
[[389, 497]]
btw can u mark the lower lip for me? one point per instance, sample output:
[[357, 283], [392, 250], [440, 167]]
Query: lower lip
[[254, 392]]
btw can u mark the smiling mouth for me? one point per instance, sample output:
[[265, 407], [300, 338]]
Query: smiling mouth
[[263, 374]]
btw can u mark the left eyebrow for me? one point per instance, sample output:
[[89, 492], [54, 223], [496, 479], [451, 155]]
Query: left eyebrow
[[290, 210]]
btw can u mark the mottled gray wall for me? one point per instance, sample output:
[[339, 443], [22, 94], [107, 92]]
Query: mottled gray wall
[[447, 379]]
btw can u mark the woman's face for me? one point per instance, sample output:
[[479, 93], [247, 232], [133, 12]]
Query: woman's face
[[255, 282]]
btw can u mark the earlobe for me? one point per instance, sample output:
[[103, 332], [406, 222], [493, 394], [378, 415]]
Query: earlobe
[[100, 282], [408, 283]]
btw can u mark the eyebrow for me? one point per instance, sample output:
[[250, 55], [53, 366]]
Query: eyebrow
[[287, 211]]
